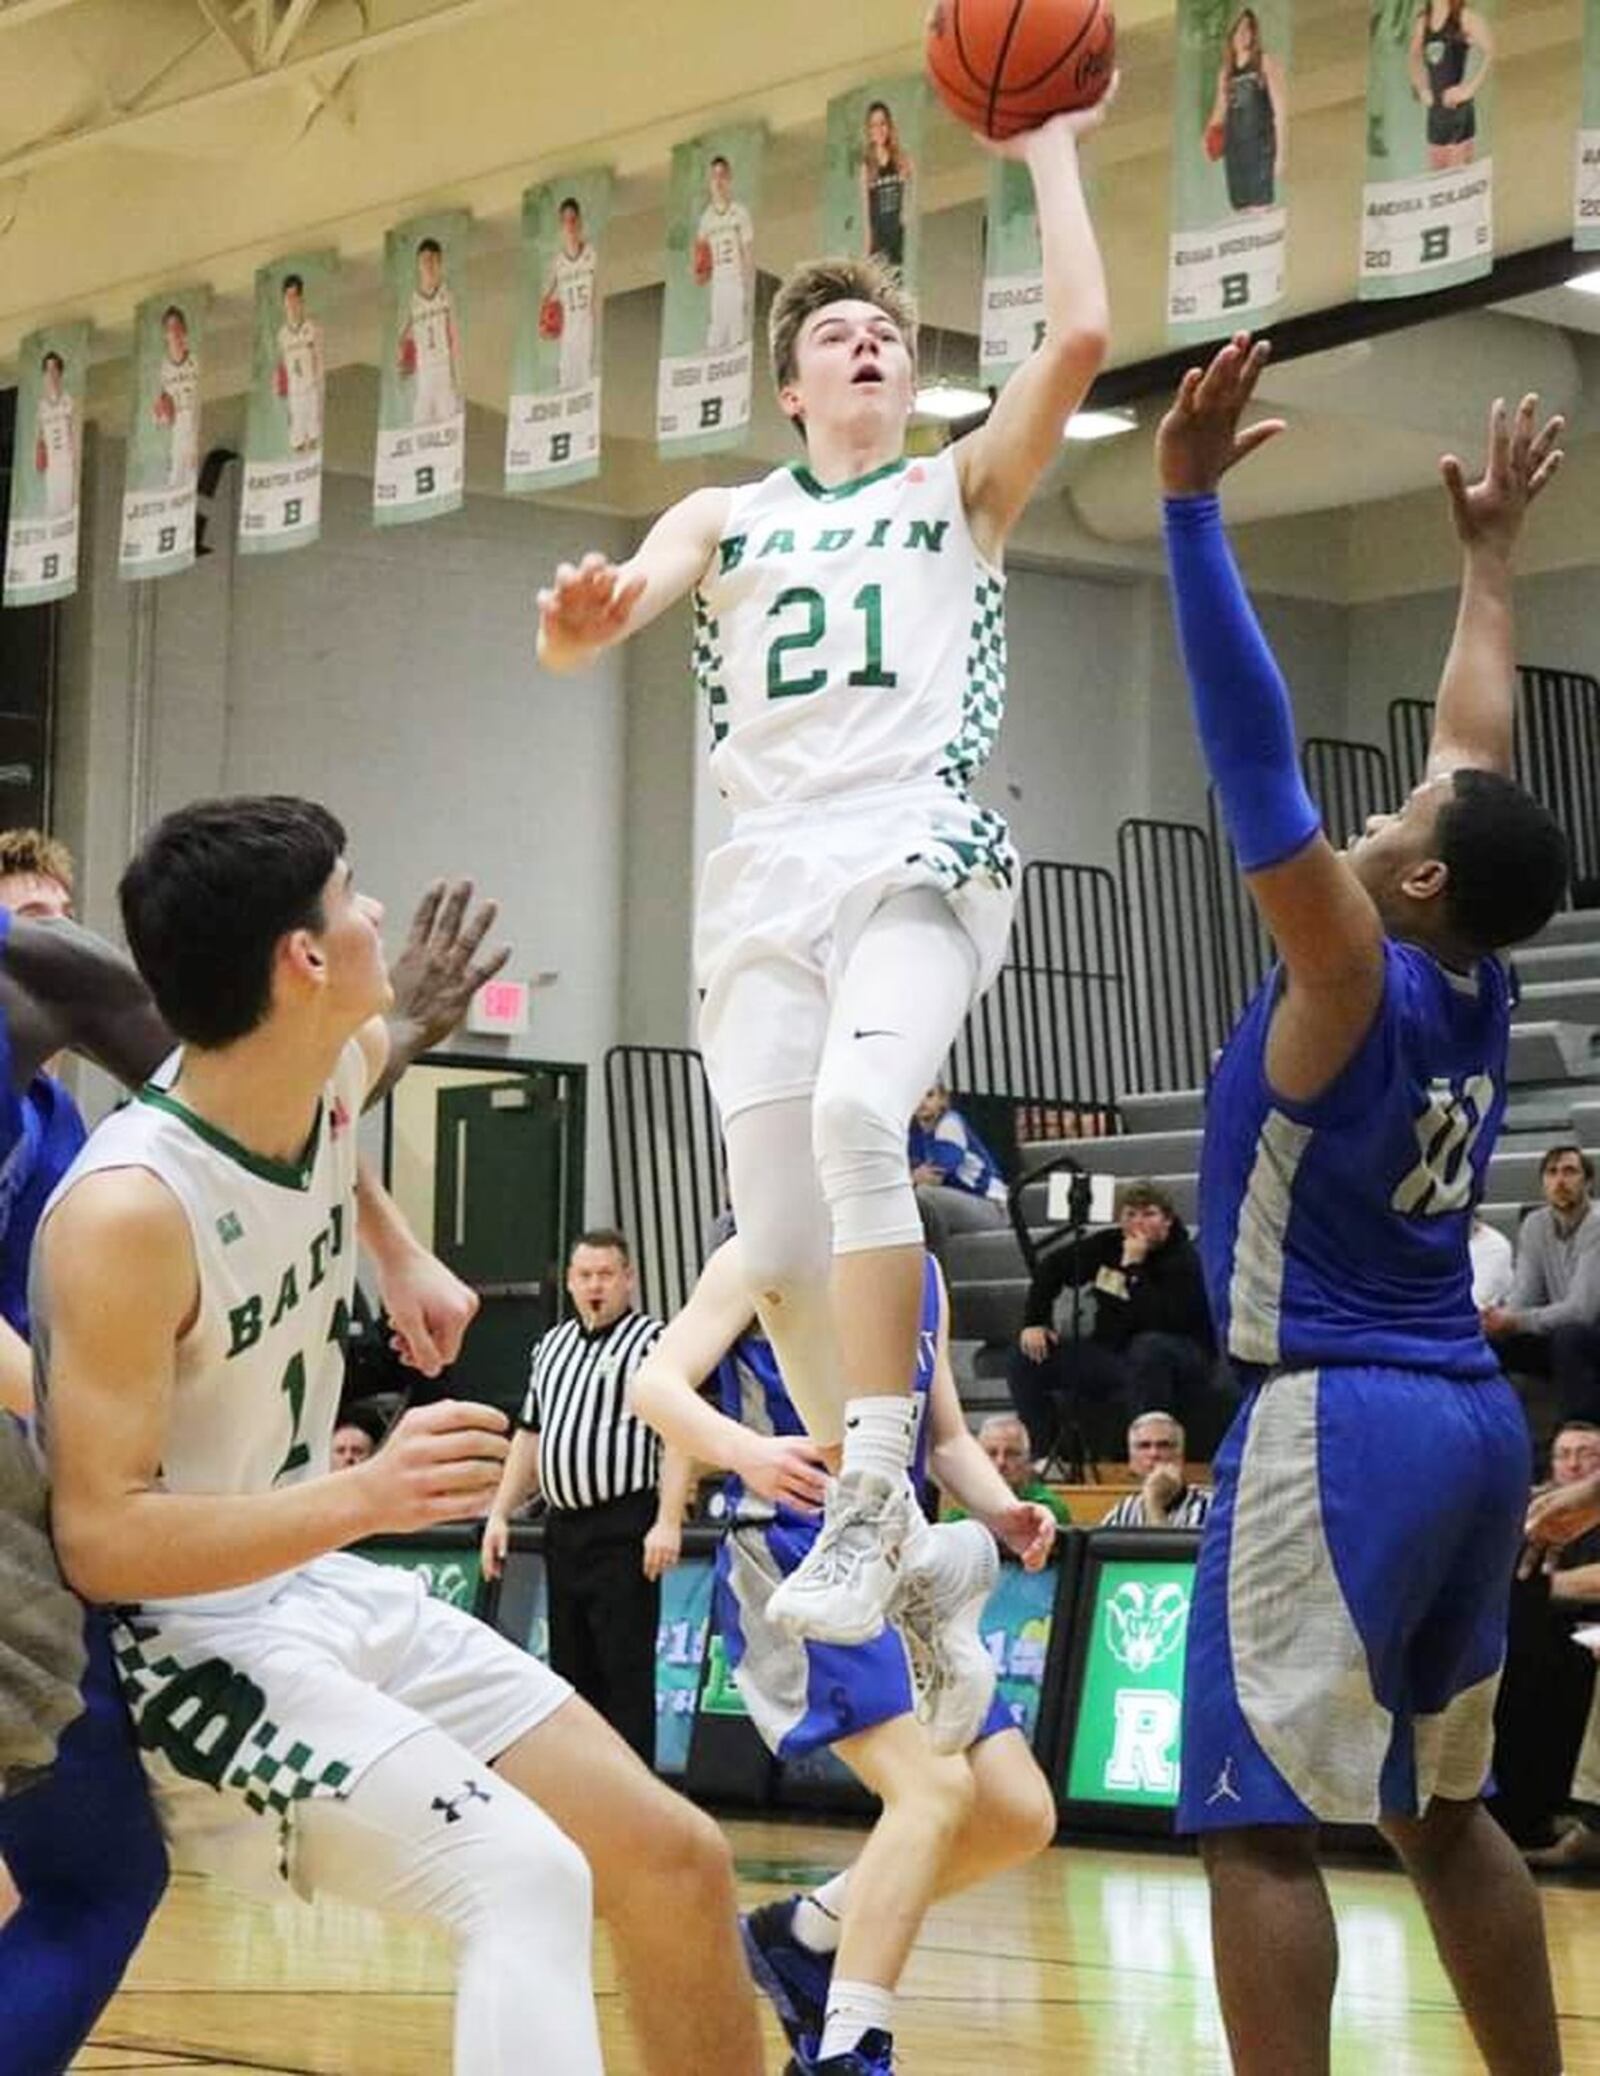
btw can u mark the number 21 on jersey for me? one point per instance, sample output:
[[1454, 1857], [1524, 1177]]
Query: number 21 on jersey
[[803, 612]]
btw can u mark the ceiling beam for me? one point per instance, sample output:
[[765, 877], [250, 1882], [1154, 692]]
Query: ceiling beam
[[217, 13], [295, 17], [14, 12]]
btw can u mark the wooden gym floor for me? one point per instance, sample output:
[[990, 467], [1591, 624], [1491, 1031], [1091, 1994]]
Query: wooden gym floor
[[1090, 1960]]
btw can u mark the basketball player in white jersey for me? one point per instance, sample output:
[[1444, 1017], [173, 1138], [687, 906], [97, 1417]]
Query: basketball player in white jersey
[[726, 230], [850, 642], [55, 437], [429, 347], [178, 401], [306, 1717], [300, 368], [571, 281]]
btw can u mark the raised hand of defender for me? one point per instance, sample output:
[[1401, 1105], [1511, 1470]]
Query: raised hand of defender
[[1028, 1531], [1522, 457], [1199, 439], [440, 1463], [585, 606], [785, 1469], [440, 970]]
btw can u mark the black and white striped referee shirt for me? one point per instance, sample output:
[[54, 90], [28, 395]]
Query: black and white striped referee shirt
[[591, 1448]]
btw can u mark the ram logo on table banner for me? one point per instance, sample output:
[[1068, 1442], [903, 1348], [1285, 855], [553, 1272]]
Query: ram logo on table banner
[[422, 399], [1428, 203], [1130, 1711], [703, 386], [42, 534], [280, 505], [1230, 215], [163, 466], [553, 422]]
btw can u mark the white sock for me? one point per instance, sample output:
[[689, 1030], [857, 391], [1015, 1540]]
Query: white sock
[[878, 1433], [818, 1918], [854, 2008]]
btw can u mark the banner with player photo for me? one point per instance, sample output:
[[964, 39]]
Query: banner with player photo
[[280, 505], [871, 191], [703, 383], [1013, 273], [1230, 206], [1428, 203], [420, 471], [1586, 185], [42, 532], [163, 468], [553, 423]]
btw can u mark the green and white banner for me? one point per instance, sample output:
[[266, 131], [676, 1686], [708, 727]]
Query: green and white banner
[[1230, 205], [1428, 203], [1586, 185], [703, 384], [1013, 273], [42, 533], [163, 469], [422, 400], [871, 188], [281, 502], [1126, 1743], [553, 423]]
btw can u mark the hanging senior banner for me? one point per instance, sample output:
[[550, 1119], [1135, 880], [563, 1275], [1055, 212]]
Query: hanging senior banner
[[708, 311], [422, 399], [158, 503], [1586, 194], [42, 536], [1428, 204], [553, 424], [281, 504], [871, 195], [1230, 217], [1013, 273]]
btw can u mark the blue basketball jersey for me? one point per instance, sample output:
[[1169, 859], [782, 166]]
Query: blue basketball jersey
[[40, 1134], [1336, 1231], [751, 1391]]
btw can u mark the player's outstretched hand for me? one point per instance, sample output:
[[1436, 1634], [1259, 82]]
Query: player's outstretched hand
[[1522, 457], [585, 606], [1075, 123], [1028, 1531], [784, 1468], [429, 1309], [440, 1463], [442, 966], [1555, 1517], [1199, 439]]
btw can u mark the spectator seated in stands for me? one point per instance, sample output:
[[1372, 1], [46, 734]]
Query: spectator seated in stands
[[1493, 1265], [1547, 1686], [1163, 1500], [1150, 1347], [1550, 1325], [1004, 1440], [356, 1437], [960, 1188]]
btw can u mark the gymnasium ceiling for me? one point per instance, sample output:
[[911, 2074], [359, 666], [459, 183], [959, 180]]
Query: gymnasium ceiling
[[146, 143]]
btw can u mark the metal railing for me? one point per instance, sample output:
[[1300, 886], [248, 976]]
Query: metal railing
[[1054, 1027], [668, 1179], [1244, 950], [1348, 781], [1410, 732], [1177, 1017]]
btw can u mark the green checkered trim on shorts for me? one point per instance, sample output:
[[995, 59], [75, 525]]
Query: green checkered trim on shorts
[[983, 700], [984, 852], [281, 1771], [706, 658]]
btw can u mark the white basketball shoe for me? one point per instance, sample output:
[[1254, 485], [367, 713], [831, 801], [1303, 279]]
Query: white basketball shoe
[[841, 1590], [944, 1585]]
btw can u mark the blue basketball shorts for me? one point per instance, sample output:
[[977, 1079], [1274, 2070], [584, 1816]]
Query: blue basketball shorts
[[803, 1695], [1348, 1620]]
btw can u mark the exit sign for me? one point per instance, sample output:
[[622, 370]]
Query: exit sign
[[500, 1009]]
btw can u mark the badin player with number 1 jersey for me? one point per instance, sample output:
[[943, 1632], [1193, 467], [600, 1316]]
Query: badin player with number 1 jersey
[[850, 645]]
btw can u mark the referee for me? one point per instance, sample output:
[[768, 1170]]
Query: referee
[[615, 1498]]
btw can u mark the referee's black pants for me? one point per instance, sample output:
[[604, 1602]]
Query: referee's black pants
[[604, 1612]]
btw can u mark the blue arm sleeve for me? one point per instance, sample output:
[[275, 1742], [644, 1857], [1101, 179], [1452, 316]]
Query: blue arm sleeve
[[1241, 704]]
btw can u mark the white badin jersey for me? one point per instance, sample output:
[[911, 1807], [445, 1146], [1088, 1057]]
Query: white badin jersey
[[53, 419], [849, 638], [300, 350], [180, 384], [258, 1374], [432, 321], [573, 278], [729, 233]]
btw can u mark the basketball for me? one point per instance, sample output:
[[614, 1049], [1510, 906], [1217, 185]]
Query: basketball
[[550, 315], [702, 261], [1002, 66]]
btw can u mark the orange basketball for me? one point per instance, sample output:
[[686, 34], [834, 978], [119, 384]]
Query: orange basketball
[[1001, 66]]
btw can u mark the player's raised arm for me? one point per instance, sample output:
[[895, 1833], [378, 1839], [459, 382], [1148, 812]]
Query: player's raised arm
[[1002, 461], [97, 1004], [590, 605], [1474, 718], [1323, 922]]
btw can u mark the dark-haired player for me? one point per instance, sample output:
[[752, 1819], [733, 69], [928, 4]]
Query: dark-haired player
[[1348, 1621]]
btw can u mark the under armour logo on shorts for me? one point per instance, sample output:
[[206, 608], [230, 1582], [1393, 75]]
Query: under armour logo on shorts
[[453, 1808]]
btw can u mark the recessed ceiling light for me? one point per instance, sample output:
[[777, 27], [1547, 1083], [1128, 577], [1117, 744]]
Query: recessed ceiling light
[[1099, 425], [951, 400], [1586, 284]]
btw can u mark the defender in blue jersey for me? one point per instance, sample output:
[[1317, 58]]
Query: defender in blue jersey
[[962, 1796], [1348, 1619]]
